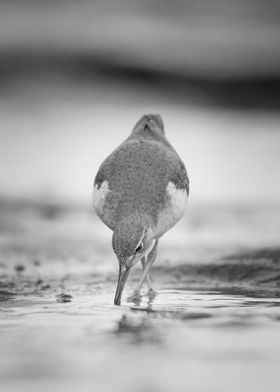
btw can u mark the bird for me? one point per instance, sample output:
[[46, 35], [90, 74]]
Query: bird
[[140, 192]]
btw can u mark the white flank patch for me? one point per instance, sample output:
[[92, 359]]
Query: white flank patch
[[99, 196], [178, 198], [174, 211]]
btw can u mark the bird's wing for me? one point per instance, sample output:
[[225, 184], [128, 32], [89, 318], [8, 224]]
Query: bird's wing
[[179, 175], [105, 201]]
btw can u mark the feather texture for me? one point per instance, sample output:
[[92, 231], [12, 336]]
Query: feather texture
[[143, 175]]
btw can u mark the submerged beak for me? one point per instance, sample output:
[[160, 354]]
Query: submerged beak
[[123, 274]]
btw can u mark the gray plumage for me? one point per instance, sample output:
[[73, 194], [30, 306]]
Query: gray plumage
[[139, 193], [138, 172]]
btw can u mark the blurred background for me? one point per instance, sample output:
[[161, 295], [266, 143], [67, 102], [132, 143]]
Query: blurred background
[[76, 76]]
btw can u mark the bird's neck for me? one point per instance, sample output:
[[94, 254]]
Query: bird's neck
[[129, 231]]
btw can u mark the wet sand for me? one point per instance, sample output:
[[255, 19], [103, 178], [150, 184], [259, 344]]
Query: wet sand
[[213, 324]]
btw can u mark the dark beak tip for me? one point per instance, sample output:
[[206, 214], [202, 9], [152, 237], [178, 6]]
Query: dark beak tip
[[123, 274]]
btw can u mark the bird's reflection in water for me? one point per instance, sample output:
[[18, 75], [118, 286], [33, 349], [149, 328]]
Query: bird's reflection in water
[[138, 328], [137, 325]]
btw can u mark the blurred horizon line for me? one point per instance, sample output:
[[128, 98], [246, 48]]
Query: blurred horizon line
[[241, 91]]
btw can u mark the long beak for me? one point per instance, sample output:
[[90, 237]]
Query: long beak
[[123, 274]]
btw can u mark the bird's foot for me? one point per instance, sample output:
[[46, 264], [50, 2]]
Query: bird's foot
[[151, 293], [135, 297]]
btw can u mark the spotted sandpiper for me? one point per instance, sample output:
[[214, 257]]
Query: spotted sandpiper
[[140, 192]]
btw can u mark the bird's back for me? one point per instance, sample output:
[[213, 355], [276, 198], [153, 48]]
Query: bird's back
[[135, 177]]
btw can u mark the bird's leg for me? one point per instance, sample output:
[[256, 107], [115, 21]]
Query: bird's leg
[[151, 258], [151, 291]]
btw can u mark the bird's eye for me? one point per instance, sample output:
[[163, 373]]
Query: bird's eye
[[139, 248]]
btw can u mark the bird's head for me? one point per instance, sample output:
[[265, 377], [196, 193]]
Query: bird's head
[[132, 239]]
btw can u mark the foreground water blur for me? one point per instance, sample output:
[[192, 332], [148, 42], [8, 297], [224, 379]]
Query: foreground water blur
[[232, 340]]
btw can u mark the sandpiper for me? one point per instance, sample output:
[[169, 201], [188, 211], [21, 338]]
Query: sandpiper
[[140, 192]]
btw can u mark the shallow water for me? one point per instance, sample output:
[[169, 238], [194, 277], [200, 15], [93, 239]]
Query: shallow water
[[180, 339]]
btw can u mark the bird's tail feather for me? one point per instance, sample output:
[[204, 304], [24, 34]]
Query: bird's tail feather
[[151, 121]]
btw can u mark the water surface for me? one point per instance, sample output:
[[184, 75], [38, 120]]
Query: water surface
[[181, 338]]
